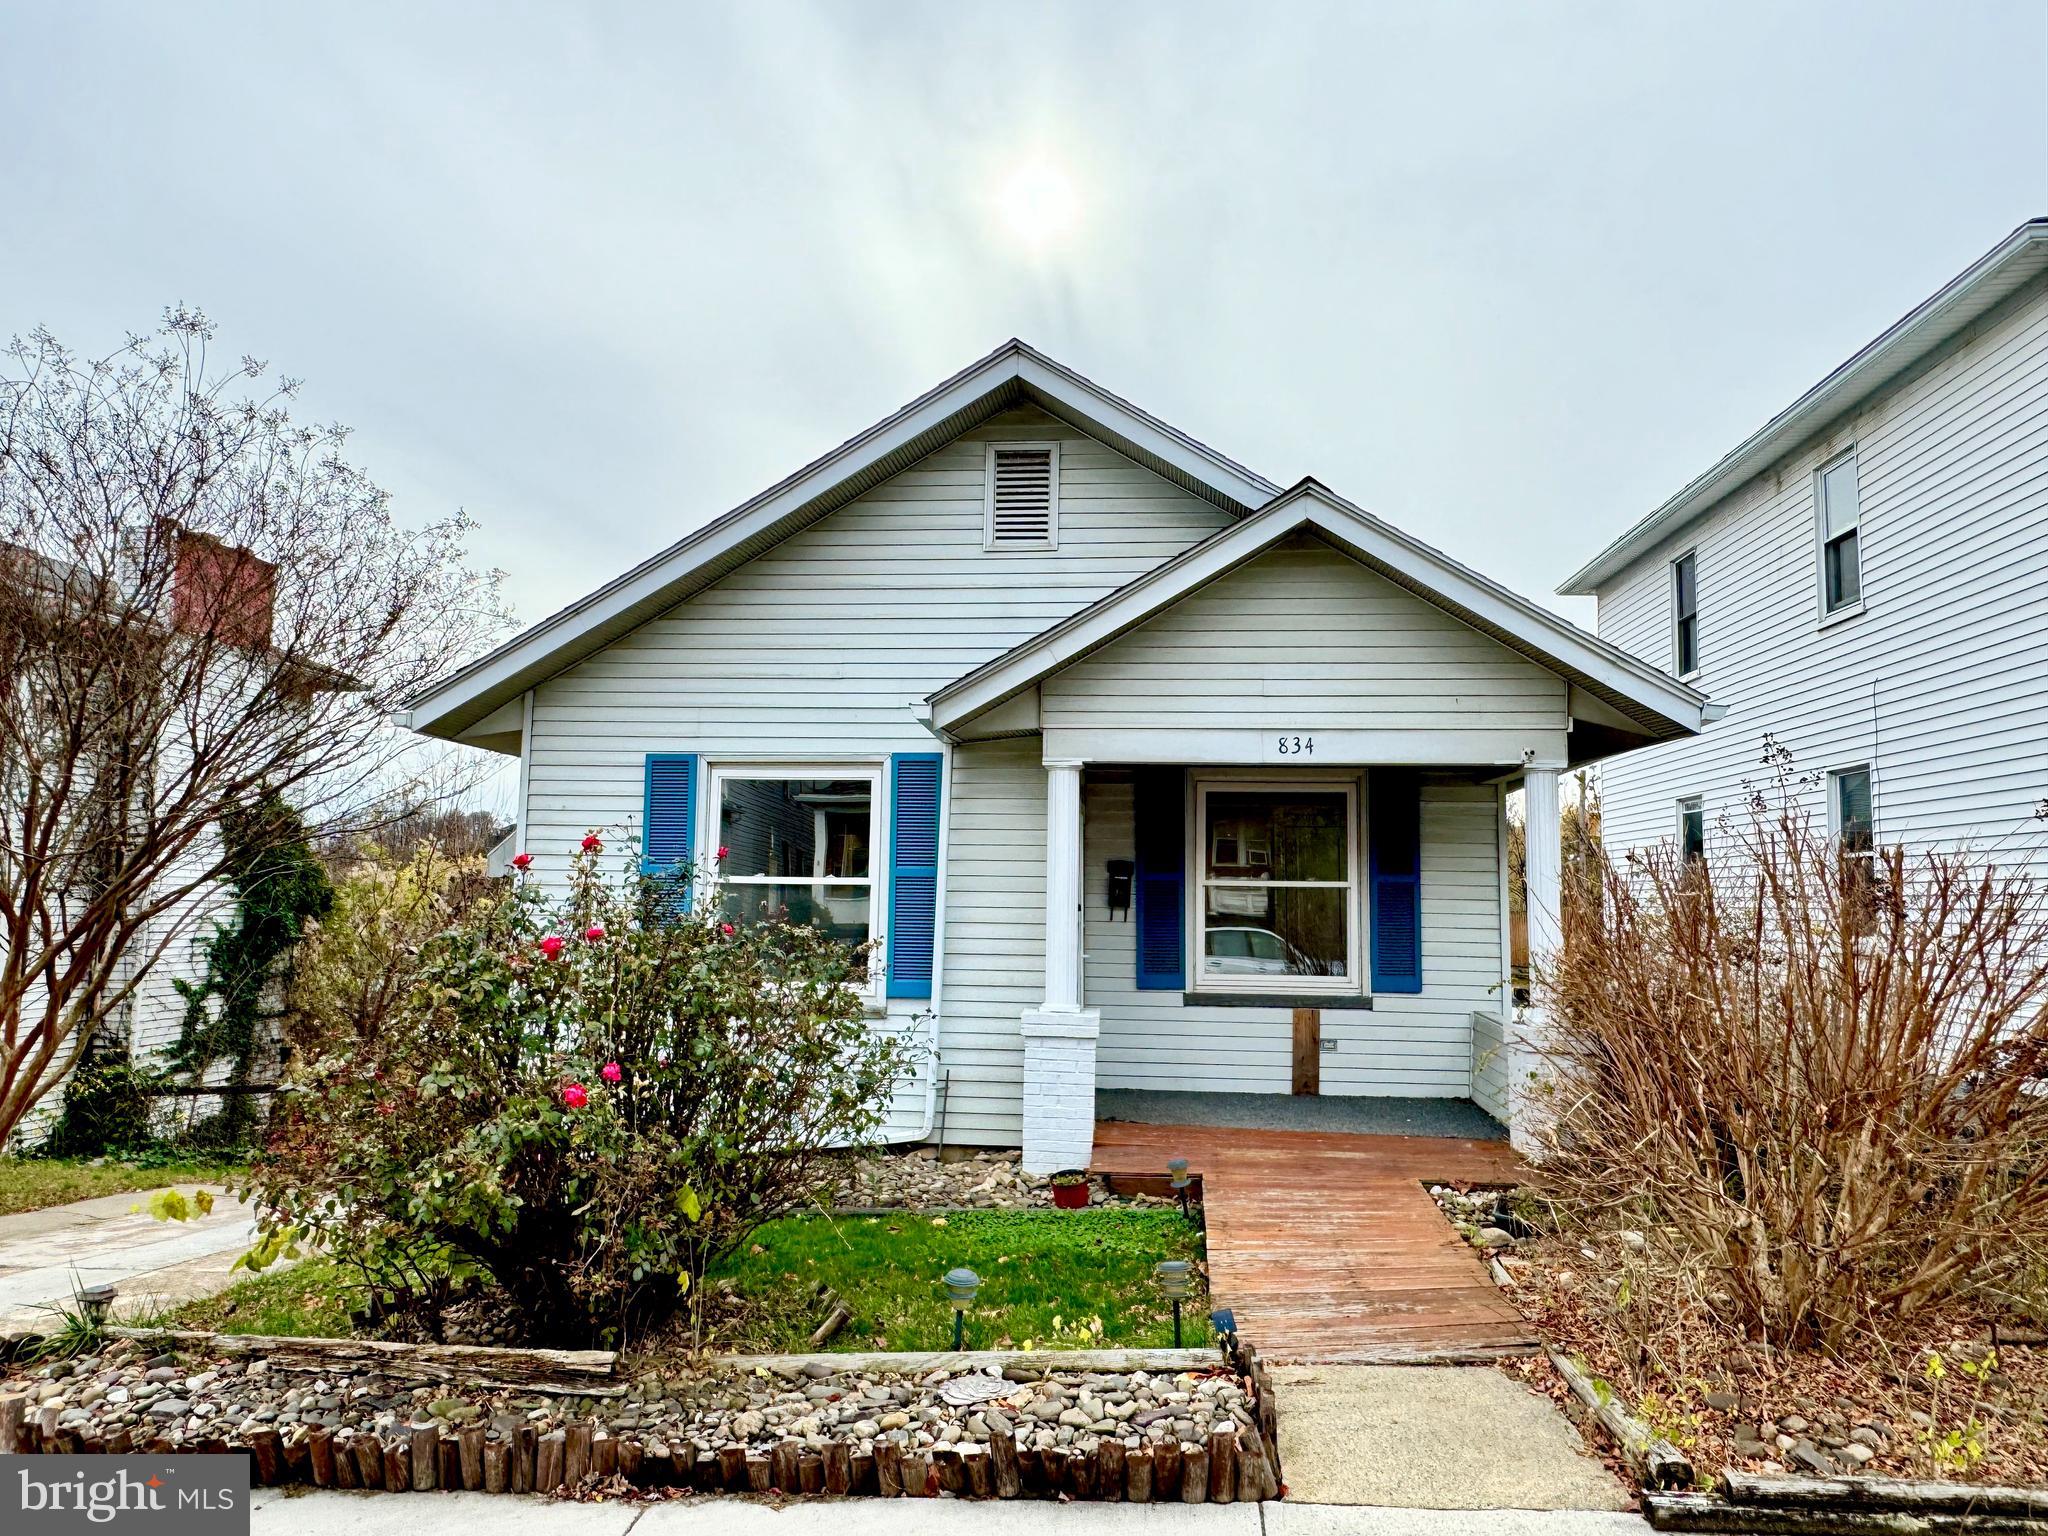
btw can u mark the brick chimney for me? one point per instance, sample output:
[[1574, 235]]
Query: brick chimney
[[222, 591]]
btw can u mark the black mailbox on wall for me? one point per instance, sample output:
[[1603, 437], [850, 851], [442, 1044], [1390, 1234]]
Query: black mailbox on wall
[[1120, 871]]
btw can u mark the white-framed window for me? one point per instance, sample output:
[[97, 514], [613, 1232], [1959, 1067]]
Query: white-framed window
[[802, 844], [1685, 613], [1839, 512], [1692, 827], [1022, 497], [1851, 815], [1276, 871]]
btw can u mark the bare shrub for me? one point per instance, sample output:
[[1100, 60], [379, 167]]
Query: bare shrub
[[1817, 1072]]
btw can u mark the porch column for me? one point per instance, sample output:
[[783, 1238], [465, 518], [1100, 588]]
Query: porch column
[[1543, 863], [1060, 1035]]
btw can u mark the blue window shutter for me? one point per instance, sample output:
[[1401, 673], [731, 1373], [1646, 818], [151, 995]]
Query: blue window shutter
[[1395, 845], [668, 837], [914, 788], [1160, 814]]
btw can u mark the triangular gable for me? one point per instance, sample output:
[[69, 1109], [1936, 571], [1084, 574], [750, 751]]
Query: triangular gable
[[1013, 374], [1657, 706]]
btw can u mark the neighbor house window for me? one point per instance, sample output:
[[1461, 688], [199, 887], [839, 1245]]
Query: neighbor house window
[[1685, 613], [1692, 828], [799, 847], [1855, 829], [1022, 496], [1841, 558], [1278, 908]]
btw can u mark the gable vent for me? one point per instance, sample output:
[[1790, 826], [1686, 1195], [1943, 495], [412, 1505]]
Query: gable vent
[[1023, 496]]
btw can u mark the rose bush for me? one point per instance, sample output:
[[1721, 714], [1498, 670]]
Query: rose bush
[[590, 1121]]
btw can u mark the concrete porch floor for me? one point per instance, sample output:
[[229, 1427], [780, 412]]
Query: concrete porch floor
[[1460, 1119]]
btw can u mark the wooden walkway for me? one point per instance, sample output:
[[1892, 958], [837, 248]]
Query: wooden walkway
[[1329, 1248]]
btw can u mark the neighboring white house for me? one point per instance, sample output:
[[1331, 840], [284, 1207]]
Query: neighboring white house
[[1139, 770], [1866, 580]]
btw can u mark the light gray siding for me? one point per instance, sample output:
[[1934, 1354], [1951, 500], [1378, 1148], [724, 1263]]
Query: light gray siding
[[1941, 683], [1304, 639], [1419, 1046], [819, 648]]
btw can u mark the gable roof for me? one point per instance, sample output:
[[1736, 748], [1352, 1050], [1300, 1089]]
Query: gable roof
[[1660, 705], [1994, 277], [1013, 374]]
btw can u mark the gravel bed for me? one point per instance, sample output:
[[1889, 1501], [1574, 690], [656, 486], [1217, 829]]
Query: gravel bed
[[129, 1386], [920, 1180]]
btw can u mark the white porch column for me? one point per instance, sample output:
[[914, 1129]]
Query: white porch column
[[1060, 1035], [1543, 863]]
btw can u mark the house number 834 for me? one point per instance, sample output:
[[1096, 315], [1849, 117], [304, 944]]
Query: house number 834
[[1296, 746]]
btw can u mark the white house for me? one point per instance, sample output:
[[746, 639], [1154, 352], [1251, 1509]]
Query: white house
[[1139, 770], [1865, 579]]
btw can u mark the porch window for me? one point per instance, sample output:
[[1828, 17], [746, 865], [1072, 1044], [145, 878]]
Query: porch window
[[799, 848], [1279, 905]]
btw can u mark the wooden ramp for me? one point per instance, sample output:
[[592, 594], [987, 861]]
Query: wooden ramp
[[1329, 1248]]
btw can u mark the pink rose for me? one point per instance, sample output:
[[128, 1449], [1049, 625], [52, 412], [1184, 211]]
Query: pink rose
[[592, 843], [594, 932], [551, 946], [575, 1095], [522, 861], [611, 1072], [726, 929]]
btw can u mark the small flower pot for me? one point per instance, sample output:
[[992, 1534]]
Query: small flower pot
[[1071, 1195]]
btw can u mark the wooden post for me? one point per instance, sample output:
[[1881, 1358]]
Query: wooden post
[[547, 1462], [782, 1466], [1138, 1475], [1079, 1473], [889, 1467], [838, 1467], [13, 1416], [346, 1474], [398, 1465], [758, 1472], [320, 1454], [1222, 1467], [946, 1463], [1166, 1471], [426, 1458], [1308, 1051], [1002, 1453], [470, 1446], [298, 1457], [525, 1454], [974, 1462], [497, 1466], [810, 1471], [633, 1461], [732, 1467], [604, 1456], [369, 1458], [575, 1454], [918, 1482], [863, 1473], [1194, 1474], [1109, 1469]]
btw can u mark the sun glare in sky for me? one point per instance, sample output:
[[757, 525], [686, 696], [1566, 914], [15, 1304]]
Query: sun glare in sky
[[1037, 203]]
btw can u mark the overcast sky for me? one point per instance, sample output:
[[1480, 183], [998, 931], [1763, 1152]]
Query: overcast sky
[[1507, 275]]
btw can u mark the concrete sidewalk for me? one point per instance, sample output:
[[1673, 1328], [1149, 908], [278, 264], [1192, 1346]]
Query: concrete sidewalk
[[47, 1256], [462, 1514]]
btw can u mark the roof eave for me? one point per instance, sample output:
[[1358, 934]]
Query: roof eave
[[1923, 330], [629, 600]]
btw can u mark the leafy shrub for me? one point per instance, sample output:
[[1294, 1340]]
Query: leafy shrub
[[1816, 1072], [106, 1109], [589, 1098]]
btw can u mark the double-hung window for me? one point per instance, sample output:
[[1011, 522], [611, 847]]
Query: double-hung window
[[1851, 819], [800, 847], [1692, 828], [1278, 906], [1685, 613], [1841, 556]]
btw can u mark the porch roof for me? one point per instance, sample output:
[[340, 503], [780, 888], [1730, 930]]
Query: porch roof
[[1609, 684]]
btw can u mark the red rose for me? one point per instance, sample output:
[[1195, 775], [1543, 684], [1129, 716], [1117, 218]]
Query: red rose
[[594, 932], [592, 843], [722, 852], [522, 860], [575, 1095], [551, 946], [726, 929], [611, 1072]]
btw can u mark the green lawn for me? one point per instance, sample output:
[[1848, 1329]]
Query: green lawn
[[309, 1299], [1050, 1279], [34, 1183]]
